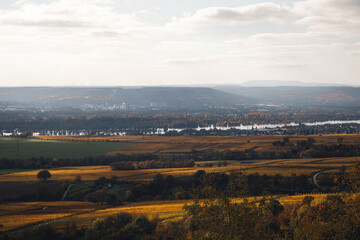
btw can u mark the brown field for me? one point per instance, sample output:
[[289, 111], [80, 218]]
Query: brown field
[[285, 167], [21, 215], [185, 144]]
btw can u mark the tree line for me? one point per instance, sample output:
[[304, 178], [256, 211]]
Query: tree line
[[83, 120]]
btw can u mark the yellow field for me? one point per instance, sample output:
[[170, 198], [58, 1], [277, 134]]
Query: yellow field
[[89, 173], [18, 215], [285, 167], [185, 144]]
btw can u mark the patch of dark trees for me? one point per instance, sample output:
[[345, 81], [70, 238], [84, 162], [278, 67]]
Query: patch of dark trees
[[196, 186], [152, 164], [34, 163]]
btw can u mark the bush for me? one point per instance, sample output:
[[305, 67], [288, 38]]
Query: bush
[[102, 196], [307, 200]]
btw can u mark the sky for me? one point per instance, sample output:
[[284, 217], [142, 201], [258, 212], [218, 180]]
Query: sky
[[178, 42]]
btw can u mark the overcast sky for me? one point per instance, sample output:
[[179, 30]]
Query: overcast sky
[[175, 42]]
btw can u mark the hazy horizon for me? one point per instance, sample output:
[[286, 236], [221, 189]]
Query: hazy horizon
[[106, 43], [253, 83]]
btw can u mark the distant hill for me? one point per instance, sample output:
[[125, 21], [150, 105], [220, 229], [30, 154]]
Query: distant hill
[[297, 94], [180, 97], [144, 96], [277, 83]]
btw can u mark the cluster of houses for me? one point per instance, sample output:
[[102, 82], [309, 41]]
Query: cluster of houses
[[17, 133], [338, 128]]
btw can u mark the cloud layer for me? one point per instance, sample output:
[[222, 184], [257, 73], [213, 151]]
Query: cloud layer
[[105, 42]]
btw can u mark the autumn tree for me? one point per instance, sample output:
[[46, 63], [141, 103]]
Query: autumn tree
[[354, 178]]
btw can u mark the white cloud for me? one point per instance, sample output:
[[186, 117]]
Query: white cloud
[[66, 14], [188, 61], [262, 12], [296, 38], [341, 16], [329, 7]]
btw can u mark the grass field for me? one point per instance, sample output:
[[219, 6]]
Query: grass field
[[186, 144], [285, 167], [17, 215], [80, 187], [28, 148]]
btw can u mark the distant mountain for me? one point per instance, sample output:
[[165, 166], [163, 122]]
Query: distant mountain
[[143, 96], [297, 95], [277, 83], [179, 97]]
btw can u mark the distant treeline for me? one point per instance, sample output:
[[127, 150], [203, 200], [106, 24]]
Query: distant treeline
[[136, 120], [33, 163], [152, 164]]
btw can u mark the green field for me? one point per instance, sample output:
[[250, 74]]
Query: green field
[[81, 187], [28, 148]]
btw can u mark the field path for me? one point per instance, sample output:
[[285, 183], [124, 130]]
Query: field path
[[315, 180], [66, 192]]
